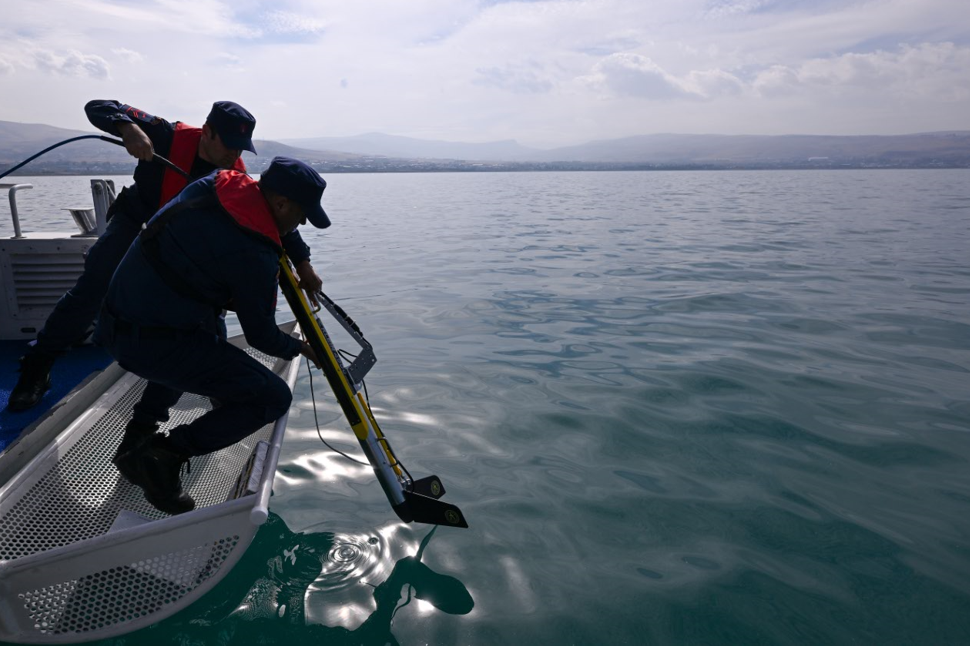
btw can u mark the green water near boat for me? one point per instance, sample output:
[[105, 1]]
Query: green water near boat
[[676, 408]]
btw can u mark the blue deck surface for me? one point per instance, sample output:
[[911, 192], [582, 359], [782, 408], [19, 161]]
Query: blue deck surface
[[68, 372]]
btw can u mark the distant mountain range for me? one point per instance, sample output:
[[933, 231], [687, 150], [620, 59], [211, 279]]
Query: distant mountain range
[[666, 148], [712, 149], [376, 143], [375, 152]]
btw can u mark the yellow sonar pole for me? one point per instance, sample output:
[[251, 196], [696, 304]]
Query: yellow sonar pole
[[412, 500]]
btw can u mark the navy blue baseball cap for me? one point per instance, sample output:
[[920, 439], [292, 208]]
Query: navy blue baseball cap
[[233, 124], [297, 181]]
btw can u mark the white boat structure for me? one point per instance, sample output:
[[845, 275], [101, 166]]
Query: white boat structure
[[83, 555]]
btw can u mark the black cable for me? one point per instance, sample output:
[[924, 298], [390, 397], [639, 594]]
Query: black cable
[[389, 449], [155, 157], [350, 359], [116, 142], [317, 421], [46, 150], [339, 310]]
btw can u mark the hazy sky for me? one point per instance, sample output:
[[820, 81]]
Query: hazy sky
[[545, 73]]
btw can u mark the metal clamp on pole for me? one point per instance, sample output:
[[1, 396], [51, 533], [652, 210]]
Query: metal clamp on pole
[[366, 359]]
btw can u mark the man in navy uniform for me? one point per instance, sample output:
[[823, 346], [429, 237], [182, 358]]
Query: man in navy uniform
[[218, 144], [216, 245]]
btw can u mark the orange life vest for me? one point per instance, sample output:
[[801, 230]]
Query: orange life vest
[[239, 195], [184, 149]]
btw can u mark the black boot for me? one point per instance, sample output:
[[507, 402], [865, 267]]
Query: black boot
[[156, 467], [135, 435], [34, 381]]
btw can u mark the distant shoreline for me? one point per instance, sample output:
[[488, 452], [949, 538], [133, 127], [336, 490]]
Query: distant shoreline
[[379, 153], [479, 167]]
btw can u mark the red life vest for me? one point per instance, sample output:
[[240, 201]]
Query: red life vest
[[240, 196], [184, 149]]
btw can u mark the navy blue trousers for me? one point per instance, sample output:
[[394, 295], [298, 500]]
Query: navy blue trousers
[[76, 310], [203, 363]]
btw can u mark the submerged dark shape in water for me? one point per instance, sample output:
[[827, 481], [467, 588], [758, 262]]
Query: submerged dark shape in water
[[272, 611]]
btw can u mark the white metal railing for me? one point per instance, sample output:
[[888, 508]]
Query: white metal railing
[[103, 192], [13, 205], [91, 222]]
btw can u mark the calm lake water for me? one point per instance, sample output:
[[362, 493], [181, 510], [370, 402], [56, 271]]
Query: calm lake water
[[676, 408]]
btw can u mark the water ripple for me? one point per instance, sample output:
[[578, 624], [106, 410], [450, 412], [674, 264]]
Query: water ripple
[[710, 408]]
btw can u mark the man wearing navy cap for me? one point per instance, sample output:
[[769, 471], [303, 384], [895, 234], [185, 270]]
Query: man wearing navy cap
[[216, 245], [228, 131]]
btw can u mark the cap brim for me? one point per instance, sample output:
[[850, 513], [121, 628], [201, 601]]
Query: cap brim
[[238, 143], [317, 216]]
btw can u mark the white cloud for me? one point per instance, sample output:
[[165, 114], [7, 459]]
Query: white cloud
[[519, 79], [128, 55], [228, 59], [777, 80], [546, 72], [714, 83], [939, 70], [230, 62], [722, 8], [622, 41], [637, 76], [213, 18], [73, 63], [789, 33], [284, 22]]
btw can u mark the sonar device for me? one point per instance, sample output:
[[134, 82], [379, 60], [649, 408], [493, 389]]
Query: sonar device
[[412, 500]]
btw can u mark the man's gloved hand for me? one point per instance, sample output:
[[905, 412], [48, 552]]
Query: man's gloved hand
[[309, 281], [308, 352], [136, 141]]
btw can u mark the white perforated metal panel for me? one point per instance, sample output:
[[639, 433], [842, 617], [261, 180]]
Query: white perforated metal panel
[[123, 593], [82, 493], [109, 571]]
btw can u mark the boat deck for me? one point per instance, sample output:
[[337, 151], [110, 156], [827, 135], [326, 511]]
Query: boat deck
[[70, 371], [74, 492]]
